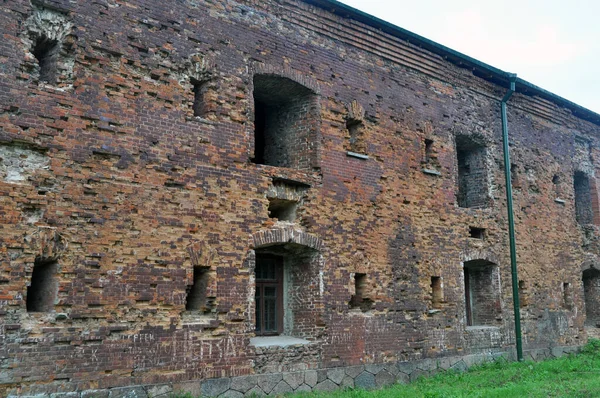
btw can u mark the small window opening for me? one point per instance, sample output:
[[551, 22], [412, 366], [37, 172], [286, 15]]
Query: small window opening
[[46, 51], [358, 300], [269, 295], [514, 176], [283, 210], [357, 140], [567, 296], [523, 294], [42, 292], [591, 294], [428, 151], [482, 293], [556, 179], [584, 213], [199, 105], [557, 186], [472, 173], [476, 233], [197, 298], [284, 122], [437, 296]]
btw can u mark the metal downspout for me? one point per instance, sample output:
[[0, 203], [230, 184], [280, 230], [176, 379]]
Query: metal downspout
[[511, 221]]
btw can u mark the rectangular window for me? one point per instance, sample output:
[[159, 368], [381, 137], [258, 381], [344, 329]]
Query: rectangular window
[[197, 299], [269, 295], [42, 292], [472, 173], [567, 296], [482, 293], [199, 105], [476, 233], [285, 114], [437, 295]]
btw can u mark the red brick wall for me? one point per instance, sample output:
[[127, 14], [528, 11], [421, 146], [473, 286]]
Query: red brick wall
[[108, 173]]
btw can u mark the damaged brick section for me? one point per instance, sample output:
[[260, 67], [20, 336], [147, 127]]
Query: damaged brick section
[[179, 179]]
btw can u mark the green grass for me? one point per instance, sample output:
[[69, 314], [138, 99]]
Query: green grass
[[569, 376]]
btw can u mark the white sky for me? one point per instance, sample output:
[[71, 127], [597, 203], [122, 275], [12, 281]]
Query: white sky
[[554, 44]]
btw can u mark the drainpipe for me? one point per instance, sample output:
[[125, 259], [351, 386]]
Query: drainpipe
[[511, 220]]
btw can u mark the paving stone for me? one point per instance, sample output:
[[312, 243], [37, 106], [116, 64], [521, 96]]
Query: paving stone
[[215, 387], [159, 391], [459, 366], [402, 378], [321, 375], [446, 363], [130, 392], [268, 382], [418, 373], [406, 367], [255, 391], [311, 378], [354, 371], [557, 352], [231, 394], [303, 388], [347, 383], [392, 368], [294, 379], [374, 368], [282, 388], [384, 378], [95, 394], [193, 388], [336, 375], [326, 385], [365, 380], [244, 383], [426, 364]]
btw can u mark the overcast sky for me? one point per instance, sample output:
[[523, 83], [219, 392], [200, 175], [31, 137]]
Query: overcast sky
[[554, 44]]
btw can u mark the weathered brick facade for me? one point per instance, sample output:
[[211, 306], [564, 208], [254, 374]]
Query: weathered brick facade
[[153, 152]]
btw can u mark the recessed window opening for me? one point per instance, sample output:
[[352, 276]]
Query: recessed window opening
[[476, 233], [567, 296], [428, 150], [43, 290], [482, 293], [523, 294], [356, 131], [269, 295], [437, 295], [583, 198], [283, 210], [359, 299], [199, 105], [591, 293], [197, 299], [46, 51], [284, 122], [472, 173]]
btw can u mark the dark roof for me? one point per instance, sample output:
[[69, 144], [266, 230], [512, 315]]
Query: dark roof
[[479, 68]]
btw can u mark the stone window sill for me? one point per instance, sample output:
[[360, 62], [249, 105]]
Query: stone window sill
[[482, 327], [277, 341], [357, 155], [431, 172]]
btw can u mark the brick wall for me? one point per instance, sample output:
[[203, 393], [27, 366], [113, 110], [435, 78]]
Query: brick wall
[[107, 172]]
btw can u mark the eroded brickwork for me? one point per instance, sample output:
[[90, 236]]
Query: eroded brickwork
[[131, 164]]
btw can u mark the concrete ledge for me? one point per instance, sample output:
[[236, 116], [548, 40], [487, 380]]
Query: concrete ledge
[[277, 341]]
